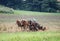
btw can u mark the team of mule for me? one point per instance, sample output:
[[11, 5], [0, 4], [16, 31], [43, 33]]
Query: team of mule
[[29, 25]]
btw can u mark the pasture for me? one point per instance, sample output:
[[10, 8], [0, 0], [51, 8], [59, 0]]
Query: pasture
[[9, 31]]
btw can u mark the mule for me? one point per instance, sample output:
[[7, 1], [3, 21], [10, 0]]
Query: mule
[[23, 24]]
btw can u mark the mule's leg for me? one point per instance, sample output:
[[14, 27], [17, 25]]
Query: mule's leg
[[27, 28], [21, 28], [36, 29], [33, 28]]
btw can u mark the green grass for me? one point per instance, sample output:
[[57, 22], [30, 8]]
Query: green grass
[[30, 36], [28, 13], [21, 12]]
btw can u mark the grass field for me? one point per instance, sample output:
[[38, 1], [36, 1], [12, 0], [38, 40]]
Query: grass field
[[30, 36], [49, 20], [10, 32]]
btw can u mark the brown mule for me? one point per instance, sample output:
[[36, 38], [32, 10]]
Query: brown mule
[[23, 24]]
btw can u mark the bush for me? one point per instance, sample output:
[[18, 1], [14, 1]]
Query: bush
[[6, 10]]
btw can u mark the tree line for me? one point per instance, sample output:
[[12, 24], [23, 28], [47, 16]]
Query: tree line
[[33, 5]]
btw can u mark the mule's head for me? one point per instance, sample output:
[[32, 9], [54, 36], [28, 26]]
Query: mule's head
[[44, 28], [18, 23]]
